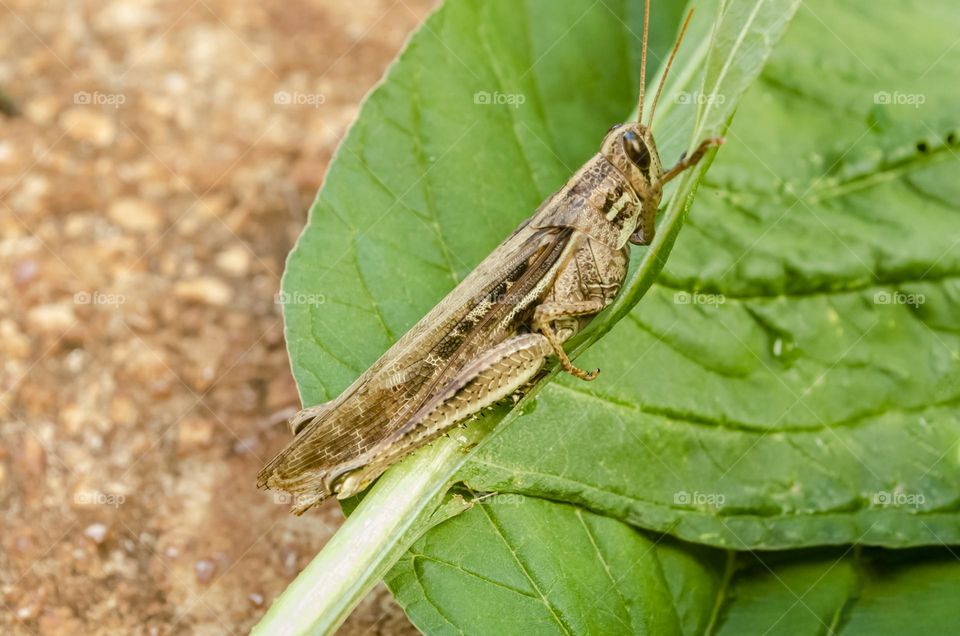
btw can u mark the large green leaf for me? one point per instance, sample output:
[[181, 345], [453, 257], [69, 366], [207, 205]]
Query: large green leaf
[[794, 413], [793, 377], [378, 244], [522, 565]]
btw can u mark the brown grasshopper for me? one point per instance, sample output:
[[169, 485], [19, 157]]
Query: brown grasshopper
[[490, 338]]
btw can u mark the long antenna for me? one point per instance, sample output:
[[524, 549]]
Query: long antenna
[[666, 71], [643, 60]]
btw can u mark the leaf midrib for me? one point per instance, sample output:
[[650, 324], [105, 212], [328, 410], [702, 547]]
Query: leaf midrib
[[704, 421]]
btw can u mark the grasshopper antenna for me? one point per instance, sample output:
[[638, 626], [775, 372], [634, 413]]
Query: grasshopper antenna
[[643, 60], [666, 71]]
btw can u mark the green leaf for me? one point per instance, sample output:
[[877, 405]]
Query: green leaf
[[330, 328], [401, 198], [517, 564], [799, 411], [524, 565], [793, 377]]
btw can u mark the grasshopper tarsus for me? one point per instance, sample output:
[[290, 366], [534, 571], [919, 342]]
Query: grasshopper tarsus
[[588, 376], [576, 371], [688, 162]]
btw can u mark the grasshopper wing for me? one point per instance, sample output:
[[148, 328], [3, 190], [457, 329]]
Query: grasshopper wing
[[484, 309]]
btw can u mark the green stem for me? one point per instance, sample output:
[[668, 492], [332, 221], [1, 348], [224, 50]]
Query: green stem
[[369, 542]]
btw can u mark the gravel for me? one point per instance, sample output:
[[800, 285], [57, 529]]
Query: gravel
[[152, 186]]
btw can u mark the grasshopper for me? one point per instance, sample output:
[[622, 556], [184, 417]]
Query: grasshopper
[[491, 337]]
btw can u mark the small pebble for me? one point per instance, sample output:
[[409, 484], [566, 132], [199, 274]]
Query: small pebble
[[193, 434], [205, 569], [234, 261], [290, 558], [96, 532], [24, 272], [33, 456], [89, 125], [54, 318], [135, 215], [204, 290]]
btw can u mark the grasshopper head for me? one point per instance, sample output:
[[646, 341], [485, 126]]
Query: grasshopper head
[[632, 150]]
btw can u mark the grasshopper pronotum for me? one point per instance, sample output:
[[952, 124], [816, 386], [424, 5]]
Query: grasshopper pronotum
[[492, 335]]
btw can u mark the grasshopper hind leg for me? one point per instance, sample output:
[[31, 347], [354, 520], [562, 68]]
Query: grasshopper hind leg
[[494, 376]]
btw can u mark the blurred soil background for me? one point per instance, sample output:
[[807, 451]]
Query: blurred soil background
[[157, 160]]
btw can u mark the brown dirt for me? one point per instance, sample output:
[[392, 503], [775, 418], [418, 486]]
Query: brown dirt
[[150, 189]]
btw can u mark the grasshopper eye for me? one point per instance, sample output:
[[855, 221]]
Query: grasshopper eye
[[636, 150]]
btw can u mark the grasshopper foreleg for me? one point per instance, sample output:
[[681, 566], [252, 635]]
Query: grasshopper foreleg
[[687, 162], [546, 314]]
